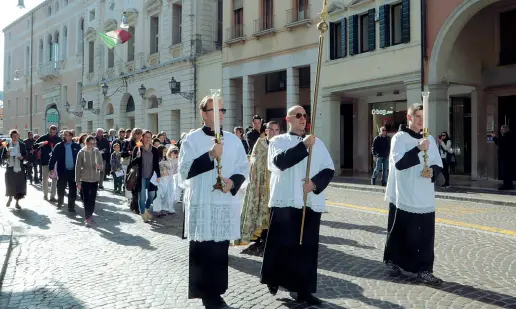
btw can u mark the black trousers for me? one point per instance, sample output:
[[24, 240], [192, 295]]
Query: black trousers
[[67, 178], [446, 173], [89, 195], [506, 169]]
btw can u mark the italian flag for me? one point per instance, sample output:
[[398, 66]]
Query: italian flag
[[115, 37]]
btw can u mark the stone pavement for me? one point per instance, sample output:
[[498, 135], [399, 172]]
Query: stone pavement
[[122, 262]]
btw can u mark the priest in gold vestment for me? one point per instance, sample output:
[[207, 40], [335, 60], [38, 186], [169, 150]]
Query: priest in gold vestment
[[255, 210]]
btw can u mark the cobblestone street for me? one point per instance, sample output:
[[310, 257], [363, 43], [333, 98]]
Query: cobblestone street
[[122, 262]]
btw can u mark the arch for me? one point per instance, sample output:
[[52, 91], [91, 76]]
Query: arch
[[153, 102], [126, 110], [130, 105], [110, 110], [110, 24], [448, 34]]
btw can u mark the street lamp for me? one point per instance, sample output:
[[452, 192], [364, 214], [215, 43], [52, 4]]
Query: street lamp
[[83, 103], [105, 88], [142, 90], [20, 5], [175, 88], [124, 24], [16, 75]]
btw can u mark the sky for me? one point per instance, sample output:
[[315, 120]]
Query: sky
[[8, 14]]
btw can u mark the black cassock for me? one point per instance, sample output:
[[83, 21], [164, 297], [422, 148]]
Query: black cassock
[[208, 260], [285, 262]]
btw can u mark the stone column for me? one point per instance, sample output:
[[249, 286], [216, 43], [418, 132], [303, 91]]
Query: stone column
[[413, 93], [229, 93], [439, 109], [361, 146], [247, 99], [478, 134], [292, 87], [327, 126]]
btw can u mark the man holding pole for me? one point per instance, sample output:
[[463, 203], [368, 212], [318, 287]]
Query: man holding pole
[[411, 197], [286, 262], [212, 215]]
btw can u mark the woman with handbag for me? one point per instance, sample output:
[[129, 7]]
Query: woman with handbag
[[128, 145], [446, 150], [88, 166], [144, 163], [15, 182]]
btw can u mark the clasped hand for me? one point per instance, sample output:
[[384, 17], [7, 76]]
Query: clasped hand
[[308, 186]]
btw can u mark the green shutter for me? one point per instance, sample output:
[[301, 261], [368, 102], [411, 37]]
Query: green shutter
[[405, 21], [344, 36], [371, 29], [385, 25], [332, 41], [353, 35]]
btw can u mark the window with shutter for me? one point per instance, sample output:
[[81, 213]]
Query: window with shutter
[[371, 30], [353, 35], [385, 35], [405, 21], [396, 24], [337, 40], [332, 41], [364, 33], [343, 34]]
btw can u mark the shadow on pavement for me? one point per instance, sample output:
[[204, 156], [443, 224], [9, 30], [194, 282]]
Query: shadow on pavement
[[32, 218], [361, 267], [331, 287], [58, 297], [349, 226], [333, 240]]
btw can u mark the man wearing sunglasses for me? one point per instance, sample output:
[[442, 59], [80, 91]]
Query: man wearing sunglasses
[[286, 263], [380, 151], [212, 216]]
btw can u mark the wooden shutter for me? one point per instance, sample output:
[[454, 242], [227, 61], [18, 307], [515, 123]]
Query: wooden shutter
[[344, 36], [332, 41], [405, 21], [353, 35], [371, 29], [385, 25]]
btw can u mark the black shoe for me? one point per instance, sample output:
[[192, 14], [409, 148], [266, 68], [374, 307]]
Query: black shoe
[[45, 198], [393, 269], [53, 200], [71, 210], [427, 277], [272, 289], [308, 298], [9, 202], [101, 187], [17, 205], [59, 205], [214, 303]]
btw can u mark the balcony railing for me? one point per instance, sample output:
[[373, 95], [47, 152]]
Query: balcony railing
[[263, 25], [298, 16], [235, 34], [49, 70]]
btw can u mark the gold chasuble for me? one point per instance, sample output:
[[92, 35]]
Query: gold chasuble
[[255, 210]]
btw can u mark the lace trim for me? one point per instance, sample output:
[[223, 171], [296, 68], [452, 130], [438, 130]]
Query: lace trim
[[292, 203], [211, 222], [412, 209]]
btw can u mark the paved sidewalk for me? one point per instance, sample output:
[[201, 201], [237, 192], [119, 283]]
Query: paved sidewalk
[[6, 242], [471, 194]]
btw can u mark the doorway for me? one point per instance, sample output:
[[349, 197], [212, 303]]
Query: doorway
[[506, 116], [346, 137], [460, 134]]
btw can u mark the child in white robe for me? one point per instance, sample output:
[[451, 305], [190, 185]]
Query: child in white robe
[[164, 202]]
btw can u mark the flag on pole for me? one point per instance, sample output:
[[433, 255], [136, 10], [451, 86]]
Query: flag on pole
[[115, 37]]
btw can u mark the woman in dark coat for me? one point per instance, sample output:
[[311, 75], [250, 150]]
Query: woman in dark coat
[[146, 158], [126, 151], [15, 181]]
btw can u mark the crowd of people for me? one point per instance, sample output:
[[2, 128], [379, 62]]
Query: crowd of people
[[238, 189], [82, 163]]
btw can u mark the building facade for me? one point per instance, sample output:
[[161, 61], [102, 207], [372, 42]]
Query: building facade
[[471, 75], [269, 58], [43, 67], [169, 39]]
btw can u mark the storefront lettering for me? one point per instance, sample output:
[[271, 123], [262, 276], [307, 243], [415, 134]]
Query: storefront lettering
[[381, 112]]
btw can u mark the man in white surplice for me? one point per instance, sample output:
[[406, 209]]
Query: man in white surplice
[[285, 262], [212, 217]]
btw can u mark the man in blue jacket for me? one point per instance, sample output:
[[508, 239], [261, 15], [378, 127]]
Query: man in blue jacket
[[46, 144], [65, 155]]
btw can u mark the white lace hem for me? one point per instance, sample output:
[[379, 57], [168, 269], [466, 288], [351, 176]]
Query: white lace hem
[[292, 203], [413, 209]]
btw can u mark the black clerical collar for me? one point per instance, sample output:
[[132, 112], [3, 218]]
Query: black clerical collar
[[267, 141], [292, 133], [406, 129], [208, 131]]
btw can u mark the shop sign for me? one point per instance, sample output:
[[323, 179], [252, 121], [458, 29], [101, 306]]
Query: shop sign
[[381, 112]]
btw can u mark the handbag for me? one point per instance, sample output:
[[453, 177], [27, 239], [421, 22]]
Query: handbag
[[131, 178], [450, 158]]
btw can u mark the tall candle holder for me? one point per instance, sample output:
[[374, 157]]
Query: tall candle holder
[[215, 95], [427, 172]]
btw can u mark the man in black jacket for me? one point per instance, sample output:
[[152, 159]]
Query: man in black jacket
[[65, 155], [32, 167], [46, 143], [103, 146], [380, 151], [253, 135]]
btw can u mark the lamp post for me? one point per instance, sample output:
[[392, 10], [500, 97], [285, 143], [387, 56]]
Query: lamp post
[[124, 24], [175, 88]]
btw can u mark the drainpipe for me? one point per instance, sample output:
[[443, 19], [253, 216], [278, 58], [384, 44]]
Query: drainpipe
[[31, 63], [423, 43]]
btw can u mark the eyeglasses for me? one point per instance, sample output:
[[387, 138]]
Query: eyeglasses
[[384, 130], [222, 110], [299, 115]]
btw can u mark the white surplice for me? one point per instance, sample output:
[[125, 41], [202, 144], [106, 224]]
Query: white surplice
[[286, 187], [211, 215]]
